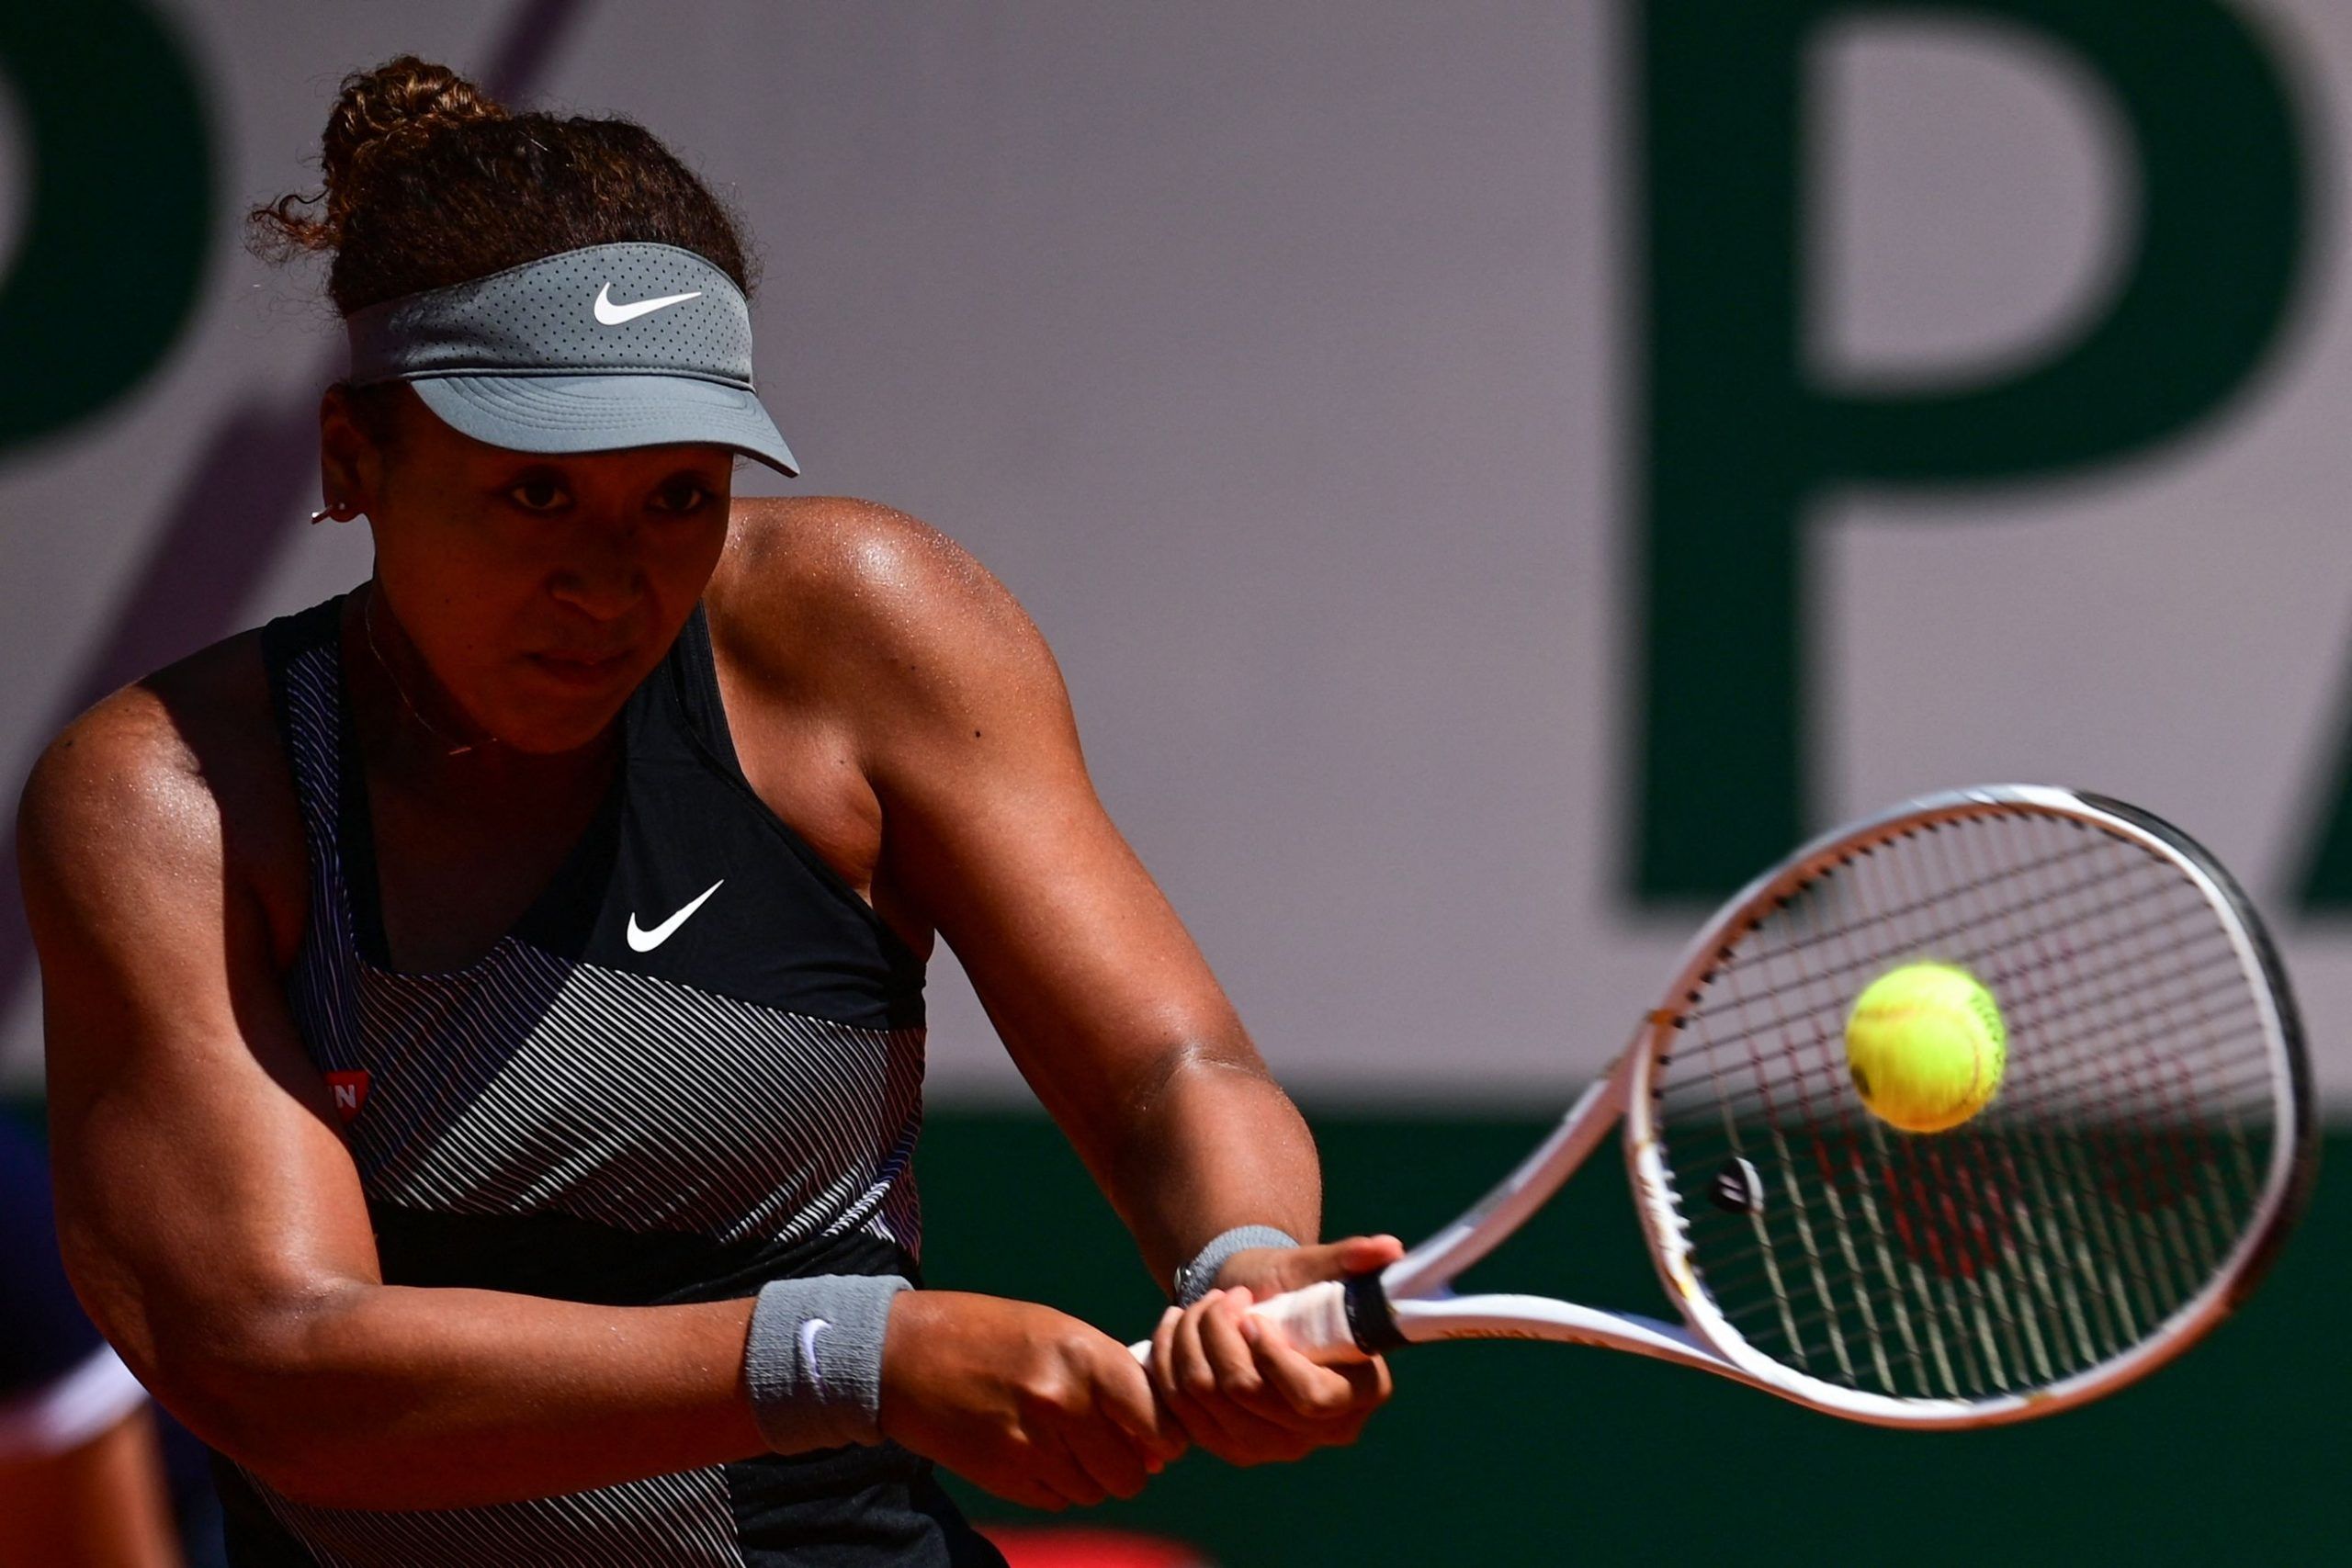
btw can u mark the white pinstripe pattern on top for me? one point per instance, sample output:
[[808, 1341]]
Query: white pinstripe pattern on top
[[669, 1521], [529, 1083]]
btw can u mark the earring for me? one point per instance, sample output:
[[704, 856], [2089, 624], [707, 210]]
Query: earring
[[336, 510]]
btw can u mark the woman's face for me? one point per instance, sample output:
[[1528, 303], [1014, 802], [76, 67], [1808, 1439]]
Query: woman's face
[[539, 589]]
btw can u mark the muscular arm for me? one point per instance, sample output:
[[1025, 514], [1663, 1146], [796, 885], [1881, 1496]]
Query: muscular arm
[[993, 833], [1095, 986], [210, 1214]]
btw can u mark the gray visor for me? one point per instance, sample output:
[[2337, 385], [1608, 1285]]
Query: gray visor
[[589, 351]]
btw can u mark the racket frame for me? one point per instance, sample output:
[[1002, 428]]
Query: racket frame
[[1412, 1300]]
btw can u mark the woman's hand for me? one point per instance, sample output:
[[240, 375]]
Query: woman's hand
[[1239, 1387], [1027, 1401]]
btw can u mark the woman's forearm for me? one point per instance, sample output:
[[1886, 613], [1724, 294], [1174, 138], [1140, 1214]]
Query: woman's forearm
[[1214, 1144], [389, 1397]]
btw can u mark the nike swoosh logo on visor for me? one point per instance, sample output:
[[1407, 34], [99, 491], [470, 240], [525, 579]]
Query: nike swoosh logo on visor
[[613, 315], [643, 941]]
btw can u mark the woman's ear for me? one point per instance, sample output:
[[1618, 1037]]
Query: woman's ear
[[351, 463]]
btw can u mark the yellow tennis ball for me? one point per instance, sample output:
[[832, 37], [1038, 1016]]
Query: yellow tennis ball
[[1925, 1046]]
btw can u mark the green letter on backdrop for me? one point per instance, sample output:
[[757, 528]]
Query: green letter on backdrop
[[1739, 442], [112, 244]]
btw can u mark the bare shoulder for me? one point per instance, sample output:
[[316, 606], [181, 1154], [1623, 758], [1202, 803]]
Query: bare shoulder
[[838, 535], [179, 774], [834, 584]]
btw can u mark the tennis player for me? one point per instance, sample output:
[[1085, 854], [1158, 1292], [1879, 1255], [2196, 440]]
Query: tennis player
[[484, 1010]]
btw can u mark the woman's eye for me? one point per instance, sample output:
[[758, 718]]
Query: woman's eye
[[537, 495], [683, 496]]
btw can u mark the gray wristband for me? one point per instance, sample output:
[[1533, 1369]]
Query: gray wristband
[[1198, 1278], [814, 1359]]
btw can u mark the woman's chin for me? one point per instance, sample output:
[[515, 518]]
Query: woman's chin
[[560, 706], [544, 727], [549, 735]]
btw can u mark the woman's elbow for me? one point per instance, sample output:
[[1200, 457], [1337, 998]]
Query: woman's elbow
[[258, 1387]]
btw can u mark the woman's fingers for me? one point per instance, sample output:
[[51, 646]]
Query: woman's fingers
[[1243, 1390], [1030, 1402], [1230, 1390], [1167, 1378], [1133, 1437], [1168, 1384], [1228, 1349], [1314, 1405], [1062, 1471], [1213, 1419], [1111, 1460], [1302, 1391], [1025, 1489], [1362, 1254], [1271, 1273], [1185, 1380], [1238, 1383], [1128, 1397]]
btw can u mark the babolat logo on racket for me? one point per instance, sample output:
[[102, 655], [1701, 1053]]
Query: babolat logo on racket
[[1737, 1189]]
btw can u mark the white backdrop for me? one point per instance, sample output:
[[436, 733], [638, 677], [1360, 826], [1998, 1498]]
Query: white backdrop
[[1276, 356]]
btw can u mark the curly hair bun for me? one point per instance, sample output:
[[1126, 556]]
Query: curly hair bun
[[429, 183], [403, 100], [404, 96]]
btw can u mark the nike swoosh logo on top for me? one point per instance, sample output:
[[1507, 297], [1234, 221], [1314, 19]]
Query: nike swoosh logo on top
[[643, 941], [808, 1332], [613, 315]]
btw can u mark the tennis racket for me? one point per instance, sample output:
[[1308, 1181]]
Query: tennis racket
[[2151, 1144]]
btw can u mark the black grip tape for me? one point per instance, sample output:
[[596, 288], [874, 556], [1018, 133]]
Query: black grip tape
[[1370, 1319]]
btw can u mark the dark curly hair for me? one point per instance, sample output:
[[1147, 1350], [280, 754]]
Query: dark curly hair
[[429, 183]]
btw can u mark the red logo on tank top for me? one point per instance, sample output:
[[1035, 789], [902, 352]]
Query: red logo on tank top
[[350, 1091]]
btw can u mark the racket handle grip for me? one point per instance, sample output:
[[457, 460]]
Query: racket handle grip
[[1314, 1318]]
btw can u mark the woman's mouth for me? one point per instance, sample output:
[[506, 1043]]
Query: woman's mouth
[[581, 672]]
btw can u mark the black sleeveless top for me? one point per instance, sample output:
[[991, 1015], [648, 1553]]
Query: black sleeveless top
[[693, 1066]]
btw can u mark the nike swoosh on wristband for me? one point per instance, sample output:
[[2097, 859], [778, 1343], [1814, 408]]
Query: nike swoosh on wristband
[[643, 941], [808, 1332], [613, 315]]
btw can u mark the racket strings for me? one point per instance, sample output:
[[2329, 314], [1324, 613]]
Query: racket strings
[[2084, 1078], [2118, 1143], [2088, 1030], [2061, 918], [2106, 1186], [1794, 941], [2127, 1271], [2217, 966]]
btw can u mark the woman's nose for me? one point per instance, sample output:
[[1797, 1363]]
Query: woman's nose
[[604, 579]]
